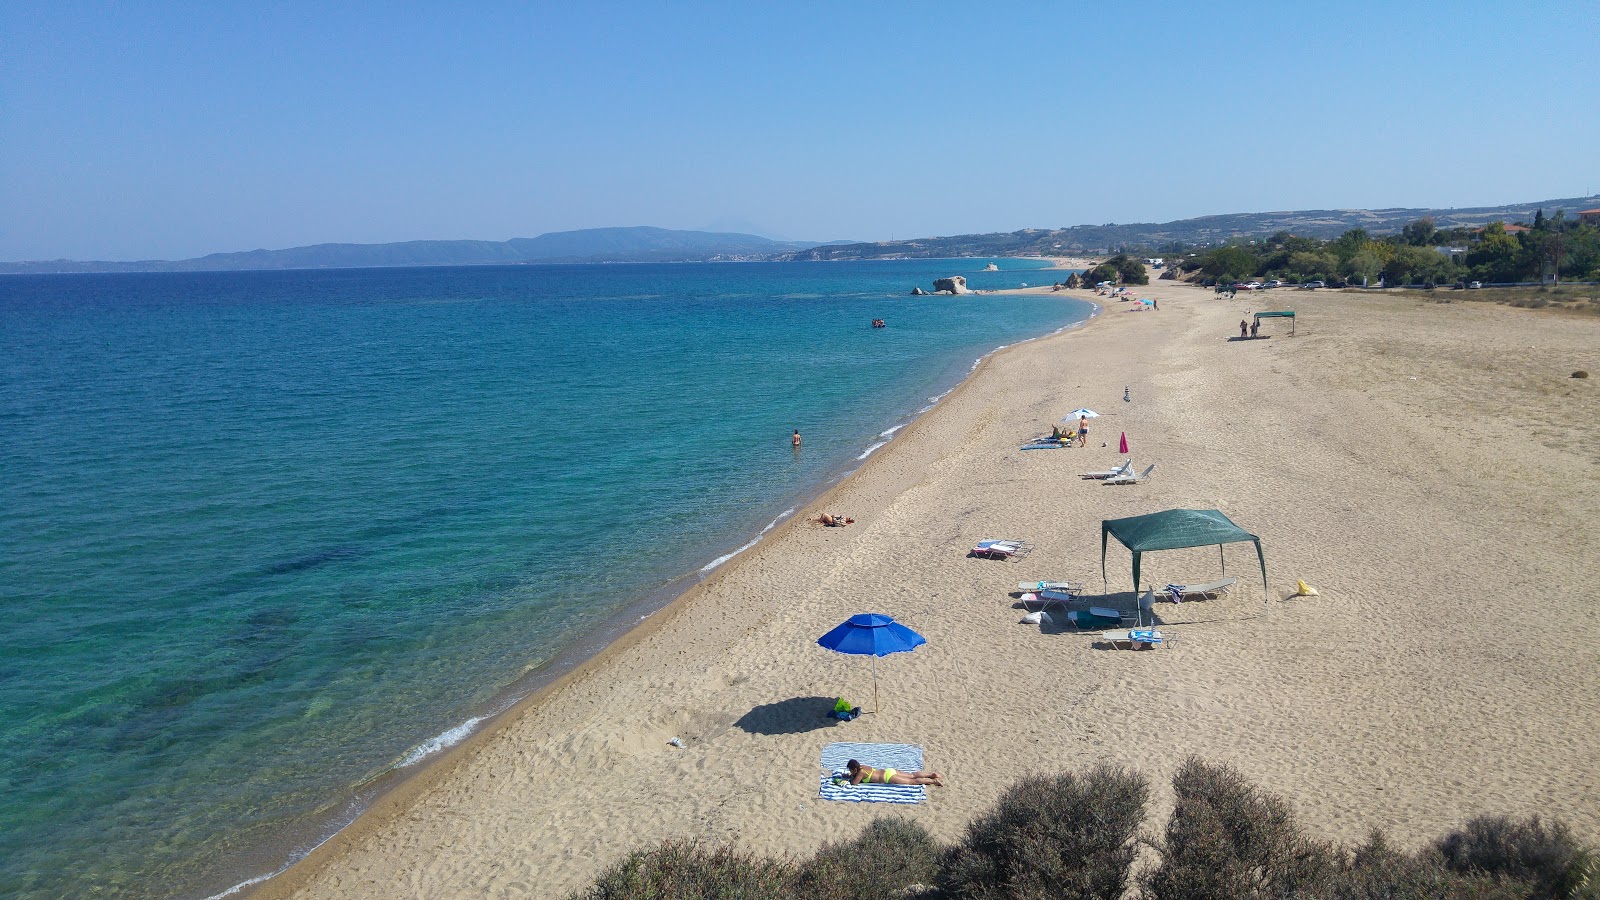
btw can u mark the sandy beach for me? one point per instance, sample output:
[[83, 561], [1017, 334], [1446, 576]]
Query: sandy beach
[[1430, 468]]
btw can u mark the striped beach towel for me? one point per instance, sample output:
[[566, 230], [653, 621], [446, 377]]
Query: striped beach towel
[[904, 757]]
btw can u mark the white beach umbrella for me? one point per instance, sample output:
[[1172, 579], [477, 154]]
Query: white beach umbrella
[[1081, 413]]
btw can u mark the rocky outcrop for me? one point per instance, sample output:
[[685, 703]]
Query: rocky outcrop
[[918, 292], [955, 284]]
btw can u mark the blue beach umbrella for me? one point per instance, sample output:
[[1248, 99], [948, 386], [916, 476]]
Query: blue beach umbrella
[[1081, 413], [871, 634]]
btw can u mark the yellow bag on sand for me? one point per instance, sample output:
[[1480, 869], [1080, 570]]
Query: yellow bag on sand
[[1305, 590]]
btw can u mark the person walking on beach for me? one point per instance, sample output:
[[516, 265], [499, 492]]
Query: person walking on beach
[[1254, 327], [1244, 332], [860, 774], [1083, 430], [796, 442]]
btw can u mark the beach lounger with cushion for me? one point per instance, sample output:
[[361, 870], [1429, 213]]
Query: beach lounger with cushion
[[1065, 587], [1124, 469], [1130, 478], [1182, 592], [1135, 638], [1000, 549]]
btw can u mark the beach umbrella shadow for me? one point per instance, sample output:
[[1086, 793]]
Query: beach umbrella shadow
[[796, 715]]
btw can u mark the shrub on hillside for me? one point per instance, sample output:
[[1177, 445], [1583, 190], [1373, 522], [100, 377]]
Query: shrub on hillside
[[888, 856], [1228, 839], [682, 869], [1376, 871], [1051, 837]]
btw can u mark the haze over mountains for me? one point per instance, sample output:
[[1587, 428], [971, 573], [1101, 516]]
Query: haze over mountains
[[647, 244]]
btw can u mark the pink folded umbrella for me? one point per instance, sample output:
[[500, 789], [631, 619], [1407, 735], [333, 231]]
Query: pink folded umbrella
[[1123, 447]]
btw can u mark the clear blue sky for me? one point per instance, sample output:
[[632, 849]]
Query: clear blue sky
[[164, 130]]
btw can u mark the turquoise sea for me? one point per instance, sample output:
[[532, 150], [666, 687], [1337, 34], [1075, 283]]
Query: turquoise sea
[[268, 538]]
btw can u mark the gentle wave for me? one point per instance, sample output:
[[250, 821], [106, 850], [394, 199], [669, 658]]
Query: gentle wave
[[748, 544], [442, 741]]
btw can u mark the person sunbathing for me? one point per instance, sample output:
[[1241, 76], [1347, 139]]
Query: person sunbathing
[[860, 774], [834, 521]]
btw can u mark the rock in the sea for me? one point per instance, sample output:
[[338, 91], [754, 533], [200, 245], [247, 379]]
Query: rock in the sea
[[955, 284], [918, 292]]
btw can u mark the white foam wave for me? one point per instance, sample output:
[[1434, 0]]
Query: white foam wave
[[748, 544], [440, 742], [872, 449], [889, 433]]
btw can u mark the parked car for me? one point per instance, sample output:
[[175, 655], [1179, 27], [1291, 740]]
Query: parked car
[[1253, 285], [1472, 286], [1246, 286], [1308, 285], [1274, 283]]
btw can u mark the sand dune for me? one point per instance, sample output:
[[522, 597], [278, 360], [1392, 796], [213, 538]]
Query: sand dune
[[1430, 468]]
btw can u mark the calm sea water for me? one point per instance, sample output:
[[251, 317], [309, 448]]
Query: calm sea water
[[269, 536]]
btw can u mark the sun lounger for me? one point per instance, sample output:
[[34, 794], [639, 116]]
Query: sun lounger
[[1134, 638], [1065, 587], [1002, 549], [1182, 592], [1124, 469], [1130, 478]]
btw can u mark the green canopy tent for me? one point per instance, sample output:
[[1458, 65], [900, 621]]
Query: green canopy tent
[[1280, 314], [1173, 529]]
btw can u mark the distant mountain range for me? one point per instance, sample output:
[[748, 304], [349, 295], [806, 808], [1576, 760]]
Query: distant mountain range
[[639, 244], [1100, 239], [646, 244]]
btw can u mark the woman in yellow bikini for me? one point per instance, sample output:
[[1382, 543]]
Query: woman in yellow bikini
[[860, 774]]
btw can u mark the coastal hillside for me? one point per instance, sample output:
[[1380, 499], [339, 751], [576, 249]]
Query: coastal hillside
[[1203, 231], [636, 244]]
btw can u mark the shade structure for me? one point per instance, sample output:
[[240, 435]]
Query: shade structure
[[1081, 412], [1172, 529], [871, 634]]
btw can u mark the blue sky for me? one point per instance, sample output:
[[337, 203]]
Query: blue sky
[[165, 130]]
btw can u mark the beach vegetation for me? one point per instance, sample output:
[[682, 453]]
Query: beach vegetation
[[1077, 835], [687, 868], [1062, 836], [889, 856], [1130, 270], [1553, 248]]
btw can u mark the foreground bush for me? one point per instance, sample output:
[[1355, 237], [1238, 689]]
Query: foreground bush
[[1075, 836], [684, 869], [890, 855], [1066, 836], [1545, 858], [1228, 839]]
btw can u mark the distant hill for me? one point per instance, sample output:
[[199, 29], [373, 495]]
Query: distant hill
[[1091, 239], [639, 244]]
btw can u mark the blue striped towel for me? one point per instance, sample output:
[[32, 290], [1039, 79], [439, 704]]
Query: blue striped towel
[[903, 757], [1145, 635], [1176, 590]]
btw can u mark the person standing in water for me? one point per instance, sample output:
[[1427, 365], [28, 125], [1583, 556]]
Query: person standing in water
[[796, 442]]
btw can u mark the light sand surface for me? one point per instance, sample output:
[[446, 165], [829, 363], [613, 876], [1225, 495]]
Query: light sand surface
[[1431, 468]]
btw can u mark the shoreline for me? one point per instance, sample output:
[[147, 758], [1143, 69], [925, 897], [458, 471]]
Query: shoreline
[[630, 623], [523, 805]]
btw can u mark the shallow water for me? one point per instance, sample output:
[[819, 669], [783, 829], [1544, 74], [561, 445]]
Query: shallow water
[[270, 535]]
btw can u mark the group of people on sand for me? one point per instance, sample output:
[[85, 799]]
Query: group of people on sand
[[1066, 435], [1248, 329]]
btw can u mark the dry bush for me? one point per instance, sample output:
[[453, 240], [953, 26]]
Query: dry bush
[[684, 870], [1228, 839], [1051, 837], [890, 855], [1545, 858]]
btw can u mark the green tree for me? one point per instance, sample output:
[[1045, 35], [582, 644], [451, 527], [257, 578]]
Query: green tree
[[1350, 243], [1494, 258], [1363, 266], [1229, 262], [1419, 233], [1129, 269]]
